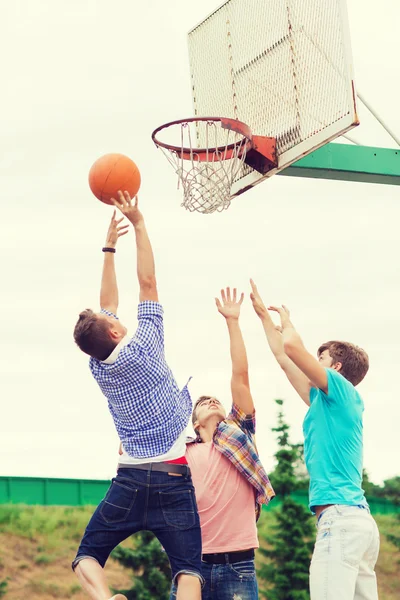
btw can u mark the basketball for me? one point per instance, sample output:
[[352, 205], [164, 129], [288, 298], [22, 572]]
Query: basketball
[[113, 172]]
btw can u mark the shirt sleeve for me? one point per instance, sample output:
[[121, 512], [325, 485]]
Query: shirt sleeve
[[246, 422], [149, 335], [108, 313], [340, 390]]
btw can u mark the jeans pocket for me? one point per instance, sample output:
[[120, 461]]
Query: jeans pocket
[[178, 508], [351, 546], [118, 503], [244, 569]]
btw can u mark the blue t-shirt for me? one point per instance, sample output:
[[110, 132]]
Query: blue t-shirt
[[333, 443]]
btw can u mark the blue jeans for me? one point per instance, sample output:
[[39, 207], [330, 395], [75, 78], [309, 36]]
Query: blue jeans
[[147, 500], [225, 582]]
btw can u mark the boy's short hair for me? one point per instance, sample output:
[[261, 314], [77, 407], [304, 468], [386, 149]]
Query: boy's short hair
[[196, 405], [91, 335], [355, 361]]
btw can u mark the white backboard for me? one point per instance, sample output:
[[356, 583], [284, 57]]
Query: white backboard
[[283, 67]]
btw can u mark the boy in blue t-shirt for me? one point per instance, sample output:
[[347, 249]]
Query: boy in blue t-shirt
[[347, 545]]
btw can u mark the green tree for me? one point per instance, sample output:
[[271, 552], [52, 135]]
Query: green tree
[[150, 565], [300, 470], [290, 548], [370, 488], [391, 489], [3, 587]]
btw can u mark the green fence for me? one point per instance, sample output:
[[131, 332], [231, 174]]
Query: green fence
[[378, 506], [79, 492], [46, 491]]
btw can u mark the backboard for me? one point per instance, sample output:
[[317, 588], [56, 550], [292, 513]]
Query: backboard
[[283, 67]]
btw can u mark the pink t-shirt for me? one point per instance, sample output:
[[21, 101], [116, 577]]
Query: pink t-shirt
[[225, 499]]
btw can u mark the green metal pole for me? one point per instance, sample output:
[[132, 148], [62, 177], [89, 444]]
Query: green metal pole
[[349, 163]]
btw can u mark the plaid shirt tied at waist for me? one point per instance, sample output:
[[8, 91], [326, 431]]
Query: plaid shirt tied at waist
[[235, 439]]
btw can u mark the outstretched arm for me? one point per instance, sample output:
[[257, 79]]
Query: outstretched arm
[[296, 351], [145, 259], [240, 386], [275, 341], [109, 288]]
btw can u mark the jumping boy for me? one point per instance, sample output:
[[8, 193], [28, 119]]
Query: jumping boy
[[153, 489], [347, 544], [230, 482]]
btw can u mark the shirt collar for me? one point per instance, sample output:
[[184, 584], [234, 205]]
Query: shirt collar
[[110, 360]]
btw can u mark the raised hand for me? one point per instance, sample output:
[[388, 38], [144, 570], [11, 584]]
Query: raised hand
[[115, 231], [257, 302], [284, 314], [129, 210], [230, 305]]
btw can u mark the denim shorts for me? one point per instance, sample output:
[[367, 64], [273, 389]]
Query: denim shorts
[[227, 581], [149, 500]]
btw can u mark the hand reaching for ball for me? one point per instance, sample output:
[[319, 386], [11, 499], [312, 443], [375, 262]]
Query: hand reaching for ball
[[129, 210], [115, 231]]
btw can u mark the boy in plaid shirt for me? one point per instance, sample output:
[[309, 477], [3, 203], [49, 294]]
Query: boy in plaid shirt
[[230, 482], [153, 489]]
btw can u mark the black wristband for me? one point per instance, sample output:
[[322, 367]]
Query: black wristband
[[106, 249]]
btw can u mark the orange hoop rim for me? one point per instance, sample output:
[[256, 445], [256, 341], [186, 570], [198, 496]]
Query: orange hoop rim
[[203, 154]]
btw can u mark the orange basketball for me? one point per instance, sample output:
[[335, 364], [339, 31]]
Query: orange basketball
[[113, 172]]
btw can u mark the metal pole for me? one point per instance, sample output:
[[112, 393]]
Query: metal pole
[[378, 118], [351, 139]]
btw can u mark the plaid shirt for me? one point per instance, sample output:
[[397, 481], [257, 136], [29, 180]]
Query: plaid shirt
[[235, 439], [149, 410]]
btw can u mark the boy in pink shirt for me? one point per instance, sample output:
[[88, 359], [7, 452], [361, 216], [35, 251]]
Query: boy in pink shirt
[[229, 479]]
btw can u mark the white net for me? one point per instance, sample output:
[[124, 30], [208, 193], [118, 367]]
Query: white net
[[281, 66], [206, 178]]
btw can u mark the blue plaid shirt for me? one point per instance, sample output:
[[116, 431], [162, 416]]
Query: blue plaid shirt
[[149, 410]]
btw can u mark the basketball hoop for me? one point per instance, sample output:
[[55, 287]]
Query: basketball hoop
[[207, 154]]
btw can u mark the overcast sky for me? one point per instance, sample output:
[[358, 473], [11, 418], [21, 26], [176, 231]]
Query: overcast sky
[[85, 77]]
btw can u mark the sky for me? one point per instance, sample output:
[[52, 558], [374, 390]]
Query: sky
[[87, 77]]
